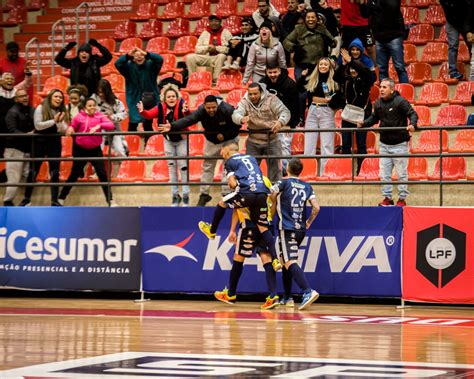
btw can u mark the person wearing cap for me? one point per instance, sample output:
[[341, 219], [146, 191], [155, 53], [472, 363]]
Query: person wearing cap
[[85, 67], [240, 46], [264, 51], [211, 48]]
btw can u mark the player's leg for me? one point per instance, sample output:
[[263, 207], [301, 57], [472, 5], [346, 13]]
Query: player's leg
[[272, 299], [290, 240], [287, 280], [232, 200]]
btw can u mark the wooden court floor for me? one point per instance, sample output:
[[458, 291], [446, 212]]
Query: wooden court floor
[[47, 331]]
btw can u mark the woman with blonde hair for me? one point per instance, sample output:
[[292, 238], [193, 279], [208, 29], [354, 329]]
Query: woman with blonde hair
[[171, 108], [51, 118], [321, 89]]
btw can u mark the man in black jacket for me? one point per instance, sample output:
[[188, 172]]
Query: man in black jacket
[[215, 116], [285, 88], [392, 110], [85, 67], [19, 119]]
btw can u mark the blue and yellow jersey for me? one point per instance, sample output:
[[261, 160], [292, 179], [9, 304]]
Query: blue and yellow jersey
[[244, 213]]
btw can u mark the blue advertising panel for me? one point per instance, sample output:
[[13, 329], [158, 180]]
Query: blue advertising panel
[[349, 251], [70, 248]]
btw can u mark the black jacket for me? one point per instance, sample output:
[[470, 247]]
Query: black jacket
[[88, 73], [386, 19], [219, 124], [460, 14], [356, 89], [287, 91], [19, 119], [393, 113]]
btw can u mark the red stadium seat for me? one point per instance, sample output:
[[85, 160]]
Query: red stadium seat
[[54, 82], [369, 170], [454, 168], [337, 169], [435, 53], [201, 25], [43, 173], [406, 90], [185, 45], [371, 143], [421, 34], [463, 94], [199, 9], [159, 172], [463, 52], [128, 44], [423, 3], [37, 100], [202, 95], [442, 37], [419, 73], [433, 94], [417, 168], [249, 7], [150, 29], [145, 12], [125, 29], [229, 80], [117, 82], [451, 115], [374, 93], [65, 168], [226, 8], [233, 24], [424, 115], [169, 63], [175, 75], [443, 73], [177, 28], [17, 15], [409, 53], [158, 45], [109, 68], [8, 5], [297, 144], [464, 142], [195, 170], [108, 43], [130, 171], [133, 142], [234, 96], [310, 169], [411, 15], [172, 11], [154, 146], [435, 15], [66, 146], [428, 142], [196, 144], [199, 81]]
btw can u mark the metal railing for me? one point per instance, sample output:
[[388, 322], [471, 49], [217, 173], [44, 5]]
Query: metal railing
[[79, 7], [53, 41], [38, 60], [111, 159]]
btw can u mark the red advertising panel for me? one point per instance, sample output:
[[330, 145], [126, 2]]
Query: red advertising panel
[[438, 255]]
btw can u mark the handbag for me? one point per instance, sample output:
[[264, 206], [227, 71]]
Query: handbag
[[148, 100], [353, 114]]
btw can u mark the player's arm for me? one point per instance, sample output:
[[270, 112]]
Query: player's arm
[[232, 181], [273, 198], [314, 211], [232, 237]]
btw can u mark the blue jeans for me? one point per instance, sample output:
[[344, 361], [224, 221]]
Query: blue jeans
[[177, 149], [453, 46], [401, 166], [393, 49]]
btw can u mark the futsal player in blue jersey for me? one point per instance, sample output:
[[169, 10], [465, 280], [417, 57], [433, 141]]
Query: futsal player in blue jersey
[[245, 179], [289, 197]]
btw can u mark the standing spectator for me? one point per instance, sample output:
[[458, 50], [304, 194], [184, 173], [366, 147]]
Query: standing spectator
[[355, 24], [386, 22], [265, 11], [85, 67], [111, 106], [265, 114], [140, 70], [19, 119], [322, 89], [15, 65], [77, 95], [392, 110], [356, 80], [215, 117], [323, 8], [264, 51], [211, 48], [278, 81], [240, 46], [289, 197], [89, 120], [459, 21], [51, 118], [294, 16], [171, 108]]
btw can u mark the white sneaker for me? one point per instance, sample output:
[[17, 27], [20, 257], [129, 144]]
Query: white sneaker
[[226, 66], [113, 203], [61, 201], [235, 66]]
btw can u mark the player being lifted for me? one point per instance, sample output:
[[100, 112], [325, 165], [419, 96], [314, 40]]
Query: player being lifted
[[245, 179], [248, 240], [289, 197]]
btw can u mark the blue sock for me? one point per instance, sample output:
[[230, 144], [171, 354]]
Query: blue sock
[[287, 282], [219, 212], [270, 276], [299, 277], [270, 242], [235, 273]]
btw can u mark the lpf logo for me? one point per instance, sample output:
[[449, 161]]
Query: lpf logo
[[440, 253]]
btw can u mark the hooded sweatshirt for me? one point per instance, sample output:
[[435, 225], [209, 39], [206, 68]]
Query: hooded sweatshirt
[[83, 123], [262, 115]]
